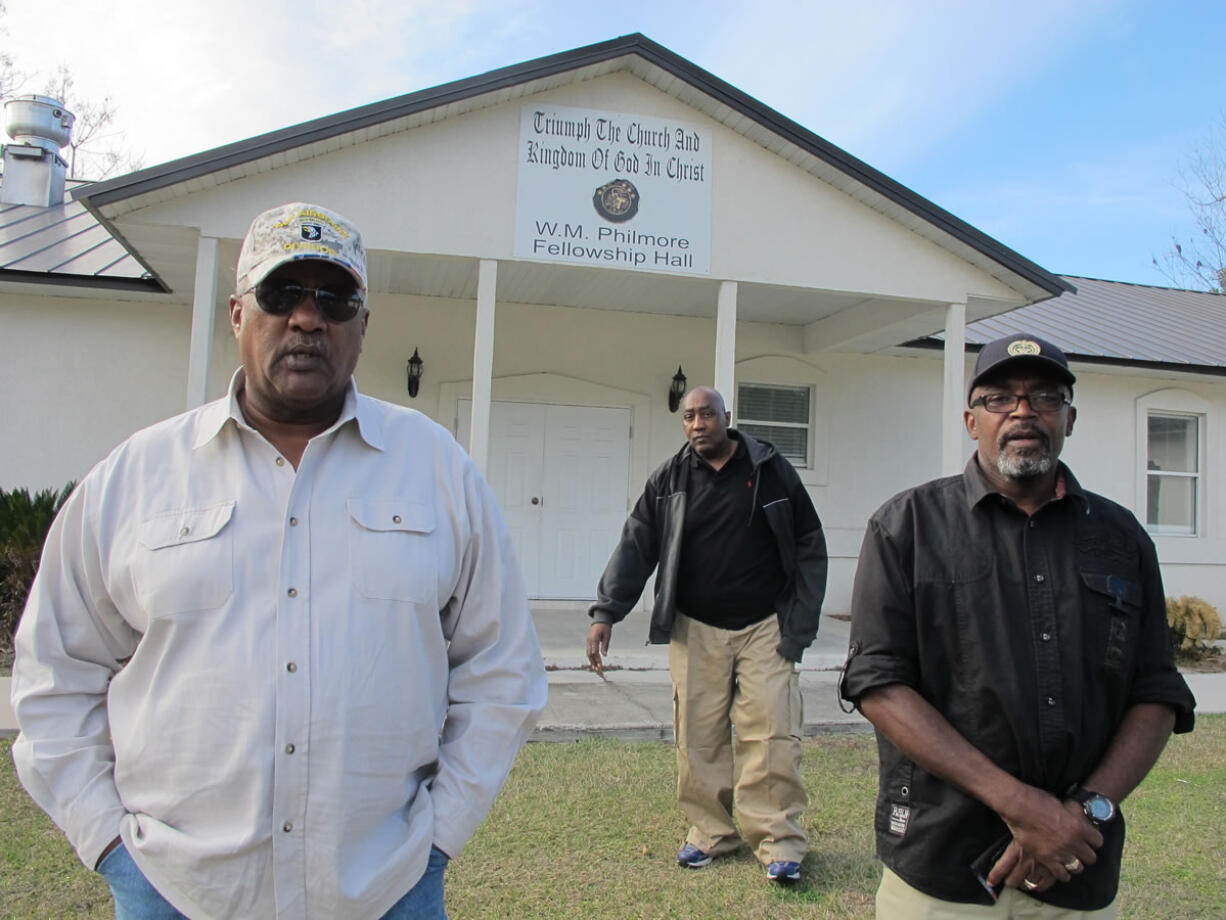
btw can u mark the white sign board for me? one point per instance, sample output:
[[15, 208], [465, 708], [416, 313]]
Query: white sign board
[[607, 188]]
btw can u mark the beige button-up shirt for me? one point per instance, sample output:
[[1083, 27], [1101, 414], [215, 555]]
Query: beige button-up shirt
[[280, 687]]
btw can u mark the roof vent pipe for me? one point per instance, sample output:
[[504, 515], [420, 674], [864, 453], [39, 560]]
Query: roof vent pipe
[[34, 171]]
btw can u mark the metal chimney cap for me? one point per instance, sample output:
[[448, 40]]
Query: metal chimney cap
[[40, 121]]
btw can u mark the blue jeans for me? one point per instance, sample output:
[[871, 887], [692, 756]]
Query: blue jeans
[[136, 899]]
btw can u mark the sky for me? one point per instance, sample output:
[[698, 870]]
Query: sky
[[1060, 128]]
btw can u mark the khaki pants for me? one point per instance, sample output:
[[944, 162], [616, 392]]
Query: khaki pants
[[724, 678], [896, 900]]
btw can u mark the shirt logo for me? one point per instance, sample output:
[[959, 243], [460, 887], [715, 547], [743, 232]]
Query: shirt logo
[[900, 817], [1023, 347], [312, 232]]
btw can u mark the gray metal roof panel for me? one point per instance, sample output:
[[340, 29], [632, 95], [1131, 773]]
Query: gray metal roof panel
[[585, 62], [65, 244], [1119, 322]]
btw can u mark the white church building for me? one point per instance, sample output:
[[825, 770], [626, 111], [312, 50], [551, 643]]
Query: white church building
[[557, 241]]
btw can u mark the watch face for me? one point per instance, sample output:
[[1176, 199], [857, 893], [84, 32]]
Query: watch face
[[1099, 808]]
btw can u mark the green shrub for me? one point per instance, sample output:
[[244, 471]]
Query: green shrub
[[1195, 625], [24, 522]]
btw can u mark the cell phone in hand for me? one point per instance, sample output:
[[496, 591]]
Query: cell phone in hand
[[986, 860]]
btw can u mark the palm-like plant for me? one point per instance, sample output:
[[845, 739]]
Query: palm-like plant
[[24, 522]]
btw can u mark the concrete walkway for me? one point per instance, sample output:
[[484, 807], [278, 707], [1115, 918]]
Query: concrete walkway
[[633, 701]]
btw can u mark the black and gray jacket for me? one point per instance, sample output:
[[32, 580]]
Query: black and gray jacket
[[653, 535]]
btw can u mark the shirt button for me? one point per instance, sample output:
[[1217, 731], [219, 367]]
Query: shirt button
[[1033, 523], [1051, 701], [289, 749], [1046, 637], [1039, 578], [287, 826], [292, 592], [293, 522], [280, 461], [185, 531], [291, 667], [395, 519]]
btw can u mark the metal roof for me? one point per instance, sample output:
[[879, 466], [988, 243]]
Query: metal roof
[[634, 53], [1115, 322], [65, 244]]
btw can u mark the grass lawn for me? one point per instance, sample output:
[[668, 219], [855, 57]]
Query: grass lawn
[[589, 831]]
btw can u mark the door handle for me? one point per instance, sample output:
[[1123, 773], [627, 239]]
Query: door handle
[[535, 500]]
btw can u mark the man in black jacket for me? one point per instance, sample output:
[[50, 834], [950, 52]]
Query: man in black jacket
[[742, 563]]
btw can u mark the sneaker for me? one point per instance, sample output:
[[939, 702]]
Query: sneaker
[[784, 871], [690, 857]]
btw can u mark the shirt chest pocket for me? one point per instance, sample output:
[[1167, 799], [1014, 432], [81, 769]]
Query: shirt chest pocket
[[391, 550], [1113, 611], [186, 560]]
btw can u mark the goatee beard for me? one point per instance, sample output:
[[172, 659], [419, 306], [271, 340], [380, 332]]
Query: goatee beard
[[1029, 465]]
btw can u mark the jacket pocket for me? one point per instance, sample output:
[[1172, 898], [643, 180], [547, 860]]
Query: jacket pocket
[[1113, 612], [391, 552], [186, 560]]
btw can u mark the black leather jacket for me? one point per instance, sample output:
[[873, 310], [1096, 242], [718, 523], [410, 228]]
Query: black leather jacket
[[652, 536]]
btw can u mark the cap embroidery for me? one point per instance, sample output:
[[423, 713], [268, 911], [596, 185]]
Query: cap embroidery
[[1023, 347]]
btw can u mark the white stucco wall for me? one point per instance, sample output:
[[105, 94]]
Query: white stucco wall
[[78, 376]]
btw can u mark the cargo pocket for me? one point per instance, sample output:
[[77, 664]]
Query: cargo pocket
[[186, 560], [391, 553]]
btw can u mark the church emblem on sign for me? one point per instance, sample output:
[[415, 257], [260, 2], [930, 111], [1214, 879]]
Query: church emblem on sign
[[616, 201]]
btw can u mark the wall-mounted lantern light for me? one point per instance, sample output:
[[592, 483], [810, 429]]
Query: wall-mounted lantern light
[[414, 370], [676, 390]]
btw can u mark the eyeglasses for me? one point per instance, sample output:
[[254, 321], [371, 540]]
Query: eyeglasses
[[1002, 403], [283, 298]]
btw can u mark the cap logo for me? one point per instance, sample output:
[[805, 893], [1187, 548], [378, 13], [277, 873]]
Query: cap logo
[[312, 232], [1024, 347]]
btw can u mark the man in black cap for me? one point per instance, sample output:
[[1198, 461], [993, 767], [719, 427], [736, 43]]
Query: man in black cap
[[1009, 643]]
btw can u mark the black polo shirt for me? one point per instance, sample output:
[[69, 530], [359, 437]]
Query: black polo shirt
[[1033, 635], [729, 573]]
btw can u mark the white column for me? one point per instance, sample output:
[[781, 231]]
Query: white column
[[953, 443], [725, 343], [483, 363], [204, 301]]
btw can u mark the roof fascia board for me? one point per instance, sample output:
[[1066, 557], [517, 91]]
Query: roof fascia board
[[146, 285], [1213, 370], [147, 180]]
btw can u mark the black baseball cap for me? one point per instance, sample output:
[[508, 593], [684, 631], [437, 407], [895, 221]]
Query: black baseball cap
[[1019, 349]]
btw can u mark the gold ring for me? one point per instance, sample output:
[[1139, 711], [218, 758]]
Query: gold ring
[[1029, 885], [1073, 865]]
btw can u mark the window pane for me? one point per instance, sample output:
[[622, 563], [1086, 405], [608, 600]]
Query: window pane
[[792, 443], [1172, 443], [1172, 504], [773, 404]]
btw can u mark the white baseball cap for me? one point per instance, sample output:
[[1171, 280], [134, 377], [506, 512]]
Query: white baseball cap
[[300, 231]]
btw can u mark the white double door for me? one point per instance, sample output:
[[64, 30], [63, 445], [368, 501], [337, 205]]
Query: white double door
[[561, 477]]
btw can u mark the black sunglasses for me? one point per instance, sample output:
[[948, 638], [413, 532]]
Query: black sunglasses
[[281, 298]]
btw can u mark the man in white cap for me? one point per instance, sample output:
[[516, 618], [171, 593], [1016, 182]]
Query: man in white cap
[[278, 659]]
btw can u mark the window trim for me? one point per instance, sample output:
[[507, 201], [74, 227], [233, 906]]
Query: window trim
[[1197, 429], [807, 425], [1178, 403]]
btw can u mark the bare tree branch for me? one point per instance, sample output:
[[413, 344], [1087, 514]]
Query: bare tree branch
[[1199, 261]]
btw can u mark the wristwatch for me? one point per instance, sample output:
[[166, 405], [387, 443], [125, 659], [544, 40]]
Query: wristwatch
[[1098, 808]]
